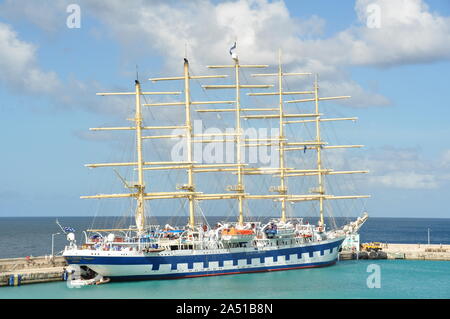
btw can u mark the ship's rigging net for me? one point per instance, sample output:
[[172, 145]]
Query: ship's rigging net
[[174, 211]]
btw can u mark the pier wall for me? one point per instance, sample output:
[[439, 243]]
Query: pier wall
[[403, 251], [31, 270], [417, 251], [12, 264]]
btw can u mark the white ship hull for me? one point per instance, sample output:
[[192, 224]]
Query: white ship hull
[[196, 263]]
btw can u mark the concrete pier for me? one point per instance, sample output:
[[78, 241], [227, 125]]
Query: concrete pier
[[17, 271], [417, 251], [405, 251]]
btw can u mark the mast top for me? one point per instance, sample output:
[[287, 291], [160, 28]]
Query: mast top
[[137, 75]]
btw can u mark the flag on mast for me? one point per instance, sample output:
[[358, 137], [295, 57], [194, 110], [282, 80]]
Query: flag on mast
[[65, 229], [233, 54], [232, 48]]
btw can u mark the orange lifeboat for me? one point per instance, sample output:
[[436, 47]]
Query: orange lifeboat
[[237, 235], [235, 232]]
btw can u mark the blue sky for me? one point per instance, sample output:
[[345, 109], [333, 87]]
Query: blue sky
[[397, 75]]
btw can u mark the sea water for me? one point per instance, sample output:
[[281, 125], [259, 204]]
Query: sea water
[[352, 279]]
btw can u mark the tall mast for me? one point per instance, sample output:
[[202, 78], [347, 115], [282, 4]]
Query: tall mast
[[283, 118], [189, 188], [318, 145], [140, 211], [190, 185], [239, 188], [283, 189], [139, 186], [240, 185], [320, 176]]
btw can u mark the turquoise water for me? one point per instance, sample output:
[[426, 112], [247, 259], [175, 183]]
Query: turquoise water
[[406, 279]]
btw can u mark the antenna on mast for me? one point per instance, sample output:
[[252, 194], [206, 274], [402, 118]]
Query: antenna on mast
[[137, 75]]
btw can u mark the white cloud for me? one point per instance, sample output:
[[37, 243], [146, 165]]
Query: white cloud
[[391, 167], [259, 26], [20, 69], [47, 15], [359, 96], [445, 159], [405, 180], [409, 33]]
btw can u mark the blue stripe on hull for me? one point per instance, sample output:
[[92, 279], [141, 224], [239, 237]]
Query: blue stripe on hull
[[222, 272], [156, 261]]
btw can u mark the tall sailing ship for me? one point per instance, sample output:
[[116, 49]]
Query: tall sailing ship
[[243, 245]]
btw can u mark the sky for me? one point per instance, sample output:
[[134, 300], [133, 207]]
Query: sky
[[391, 56]]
